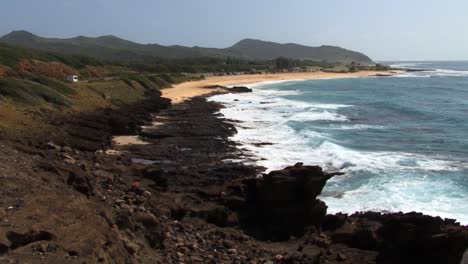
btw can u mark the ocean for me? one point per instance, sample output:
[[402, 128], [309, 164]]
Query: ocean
[[402, 140]]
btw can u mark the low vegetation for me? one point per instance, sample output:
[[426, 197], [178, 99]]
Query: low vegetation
[[56, 85], [33, 86], [31, 92]]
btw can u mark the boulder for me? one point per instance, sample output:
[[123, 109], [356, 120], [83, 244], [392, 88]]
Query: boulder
[[80, 181], [401, 238], [3, 249], [239, 89], [418, 238], [333, 222], [284, 202]]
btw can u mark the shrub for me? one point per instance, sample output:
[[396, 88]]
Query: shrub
[[30, 92], [54, 84], [166, 77], [160, 83]]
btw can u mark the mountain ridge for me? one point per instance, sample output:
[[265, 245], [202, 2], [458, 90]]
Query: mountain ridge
[[114, 48]]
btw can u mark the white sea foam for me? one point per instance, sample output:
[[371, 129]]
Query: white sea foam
[[330, 106], [265, 118], [413, 75], [263, 83], [357, 127], [393, 193], [446, 72], [433, 73], [315, 116], [409, 64]]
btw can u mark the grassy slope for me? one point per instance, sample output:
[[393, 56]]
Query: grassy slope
[[27, 106], [32, 91], [26, 112]]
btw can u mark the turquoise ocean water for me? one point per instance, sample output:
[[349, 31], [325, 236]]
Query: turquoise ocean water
[[402, 140]]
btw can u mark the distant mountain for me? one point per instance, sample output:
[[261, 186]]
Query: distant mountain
[[259, 49], [117, 49]]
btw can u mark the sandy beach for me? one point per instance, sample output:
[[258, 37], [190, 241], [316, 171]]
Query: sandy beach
[[186, 90]]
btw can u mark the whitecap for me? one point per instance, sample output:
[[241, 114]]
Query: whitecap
[[316, 116], [397, 182], [357, 127], [393, 193]]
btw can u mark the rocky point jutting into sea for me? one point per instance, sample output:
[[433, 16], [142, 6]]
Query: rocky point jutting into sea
[[180, 196]]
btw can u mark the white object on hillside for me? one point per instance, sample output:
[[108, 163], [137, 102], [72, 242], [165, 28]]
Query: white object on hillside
[[72, 78]]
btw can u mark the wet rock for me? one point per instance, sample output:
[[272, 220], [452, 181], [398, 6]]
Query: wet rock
[[214, 87], [417, 238], [358, 233], [239, 89], [157, 176], [404, 238], [333, 222]]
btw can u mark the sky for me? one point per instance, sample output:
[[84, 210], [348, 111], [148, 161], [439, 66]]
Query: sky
[[383, 30]]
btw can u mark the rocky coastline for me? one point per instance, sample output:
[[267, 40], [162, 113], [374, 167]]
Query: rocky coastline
[[182, 197]]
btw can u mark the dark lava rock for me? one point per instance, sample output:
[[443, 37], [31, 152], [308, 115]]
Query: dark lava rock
[[157, 176], [19, 239], [155, 236], [239, 89], [401, 238], [80, 182], [418, 238], [216, 86], [125, 221], [283, 203], [3, 249], [333, 222], [357, 233]]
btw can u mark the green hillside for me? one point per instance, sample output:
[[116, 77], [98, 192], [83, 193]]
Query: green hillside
[[117, 49], [264, 50]]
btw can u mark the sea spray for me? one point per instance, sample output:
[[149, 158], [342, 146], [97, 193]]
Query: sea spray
[[401, 140]]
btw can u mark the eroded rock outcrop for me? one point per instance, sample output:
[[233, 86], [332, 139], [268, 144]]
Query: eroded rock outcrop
[[235, 89], [239, 89], [401, 238], [283, 203]]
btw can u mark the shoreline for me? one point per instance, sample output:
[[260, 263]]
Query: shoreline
[[186, 90], [181, 202], [229, 194], [252, 157]]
